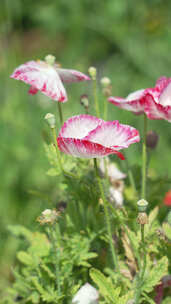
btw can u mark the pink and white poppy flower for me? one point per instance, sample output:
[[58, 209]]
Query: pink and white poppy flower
[[155, 102], [47, 77], [158, 100], [134, 102], [87, 136]]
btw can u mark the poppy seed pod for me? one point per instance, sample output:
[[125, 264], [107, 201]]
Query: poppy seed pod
[[152, 139], [142, 218]]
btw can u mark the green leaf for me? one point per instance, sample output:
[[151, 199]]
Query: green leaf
[[148, 299], [25, 258], [167, 300], [107, 289], [40, 245], [53, 172], [167, 230], [19, 230], [154, 275]]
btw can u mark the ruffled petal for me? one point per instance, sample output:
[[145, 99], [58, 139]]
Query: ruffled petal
[[79, 126], [134, 102], [87, 136], [114, 135], [42, 77], [71, 75], [155, 110], [84, 149]]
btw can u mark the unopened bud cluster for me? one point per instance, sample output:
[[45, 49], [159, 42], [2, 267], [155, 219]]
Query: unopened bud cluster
[[48, 216], [152, 139]]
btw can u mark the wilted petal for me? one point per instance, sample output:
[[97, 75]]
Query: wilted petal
[[111, 170], [42, 77], [87, 294], [71, 75], [116, 197], [89, 137], [134, 102]]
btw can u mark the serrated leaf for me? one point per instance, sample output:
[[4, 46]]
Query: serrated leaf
[[107, 289], [25, 258], [148, 299], [34, 298], [19, 230], [40, 245], [154, 276], [167, 230], [153, 214]]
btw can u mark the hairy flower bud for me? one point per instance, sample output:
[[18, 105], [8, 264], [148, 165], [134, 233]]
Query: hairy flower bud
[[84, 101], [142, 205], [92, 72], [50, 59], [50, 118], [105, 82], [152, 139]]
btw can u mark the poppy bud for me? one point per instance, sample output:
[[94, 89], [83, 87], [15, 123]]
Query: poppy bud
[[105, 82], [50, 118], [142, 205], [152, 139], [50, 59], [84, 101], [92, 71]]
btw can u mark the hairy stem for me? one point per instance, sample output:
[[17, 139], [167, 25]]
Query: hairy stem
[[144, 160], [96, 98], [106, 211], [60, 112]]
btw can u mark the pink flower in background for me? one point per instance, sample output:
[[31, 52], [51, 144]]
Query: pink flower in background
[[155, 102], [87, 136], [134, 102], [158, 100], [47, 77]]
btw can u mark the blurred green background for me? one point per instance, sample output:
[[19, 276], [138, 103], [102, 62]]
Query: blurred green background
[[128, 41]]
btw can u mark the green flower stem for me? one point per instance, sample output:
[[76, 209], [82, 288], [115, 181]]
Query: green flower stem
[[144, 160], [114, 256], [105, 109], [55, 240], [67, 174], [142, 272], [96, 98], [131, 178], [60, 112], [57, 149]]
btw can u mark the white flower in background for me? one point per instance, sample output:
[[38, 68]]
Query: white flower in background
[[111, 170], [87, 294], [116, 180]]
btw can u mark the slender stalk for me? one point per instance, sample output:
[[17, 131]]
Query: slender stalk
[[114, 256], [57, 149], [131, 178], [105, 109], [55, 240], [142, 272], [96, 98], [60, 112], [68, 174], [144, 160]]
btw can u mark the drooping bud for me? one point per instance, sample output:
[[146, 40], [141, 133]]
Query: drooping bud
[[142, 205], [92, 72], [142, 218], [50, 59], [50, 118], [105, 82], [87, 294], [48, 216], [84, 101], [152, 139]]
